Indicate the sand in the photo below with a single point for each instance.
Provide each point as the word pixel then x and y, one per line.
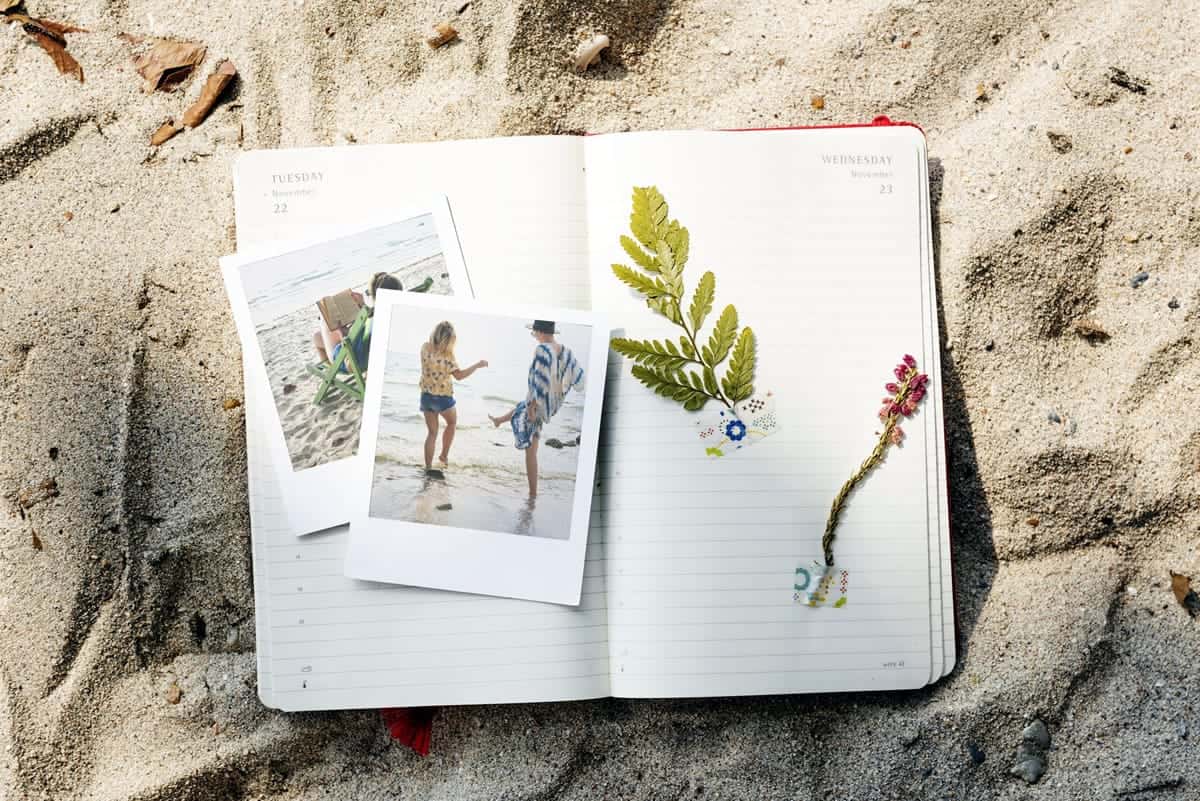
pixel 118 359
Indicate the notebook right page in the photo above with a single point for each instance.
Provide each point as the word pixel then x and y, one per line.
pixel 815 237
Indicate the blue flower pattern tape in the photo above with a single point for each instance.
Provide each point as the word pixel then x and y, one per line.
pixel 726 431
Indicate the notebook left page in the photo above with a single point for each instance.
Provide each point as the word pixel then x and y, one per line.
pixel 336 643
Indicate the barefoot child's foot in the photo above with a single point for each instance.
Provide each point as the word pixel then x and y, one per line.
pixel 496 421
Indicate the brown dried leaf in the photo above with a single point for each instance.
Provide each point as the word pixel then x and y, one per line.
pixel 59 29
pixel 37 542
pixel 222 76
pixel 51 37
pixel 168 63
pixel 65 62
pixel 1181 585
pixel 164 132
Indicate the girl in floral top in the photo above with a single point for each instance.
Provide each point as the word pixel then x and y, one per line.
pixel 439 370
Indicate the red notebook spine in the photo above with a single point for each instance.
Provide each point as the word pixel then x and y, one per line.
pixel 877 121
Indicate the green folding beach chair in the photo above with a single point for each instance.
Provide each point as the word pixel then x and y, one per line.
pixel 353 382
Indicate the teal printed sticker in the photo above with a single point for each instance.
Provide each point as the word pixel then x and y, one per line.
pixel 817 584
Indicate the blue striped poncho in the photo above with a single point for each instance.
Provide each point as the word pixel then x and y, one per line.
pixel 551 376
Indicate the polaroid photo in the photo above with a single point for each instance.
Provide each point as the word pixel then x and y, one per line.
pixel 480 439
pixel 305 315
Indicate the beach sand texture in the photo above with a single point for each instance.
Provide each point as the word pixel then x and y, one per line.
pixel 1073 459
pixel 315 434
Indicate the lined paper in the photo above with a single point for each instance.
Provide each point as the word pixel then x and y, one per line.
pixel 701 551
pixel 327 642
pixel 687 588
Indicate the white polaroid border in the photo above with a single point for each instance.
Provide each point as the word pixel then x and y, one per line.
pixel 473 560
pixel 321 497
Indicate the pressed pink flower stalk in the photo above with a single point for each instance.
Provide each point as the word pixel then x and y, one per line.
pixel 903 396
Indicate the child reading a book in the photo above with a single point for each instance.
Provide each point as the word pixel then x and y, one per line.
pixel 328 341
pixel 552 374
pixel 439 370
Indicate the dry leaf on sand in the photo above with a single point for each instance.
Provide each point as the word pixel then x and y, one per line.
pixel 222 76
pixel 1181 585
pixel 50 36
pixel 167 63
pixel 164 132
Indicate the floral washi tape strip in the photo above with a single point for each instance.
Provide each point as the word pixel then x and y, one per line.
pixel 723 432
pixel 818 584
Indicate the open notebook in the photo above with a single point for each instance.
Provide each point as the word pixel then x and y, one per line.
pixel 821 237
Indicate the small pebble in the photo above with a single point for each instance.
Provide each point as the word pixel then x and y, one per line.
pixel 288 389
pixel 1131 591
pixel 977 755
pixel 1033 522
pixel 173 694
pixel 818 102
pixel 1139 279
pixel 1053 417
pixel 1029 770
pixel 231 403
pixel 1128 150
pixel 68 216
pixel 1132 238
pixel 1037 733
pixel 1060 141
pixel 231 637
pixel 445 507
pixel 1173 304
pixel 1182 730
pixel 442 33
pixel 990 345
pixel 909 737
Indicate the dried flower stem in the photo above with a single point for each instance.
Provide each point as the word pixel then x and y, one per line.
pixel 902 403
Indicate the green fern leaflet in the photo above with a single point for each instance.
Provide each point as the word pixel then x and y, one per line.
pixel 687 373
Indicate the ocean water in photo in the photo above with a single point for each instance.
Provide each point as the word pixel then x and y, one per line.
pixel 485 485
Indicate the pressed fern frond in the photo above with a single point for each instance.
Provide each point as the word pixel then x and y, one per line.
pixel 661 246
pixel 672 385
pixel 702 301
pixel 723 336
pixel 653 353
pixel 738 382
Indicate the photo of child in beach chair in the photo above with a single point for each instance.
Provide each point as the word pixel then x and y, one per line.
pixel 344 339
pixel 313 311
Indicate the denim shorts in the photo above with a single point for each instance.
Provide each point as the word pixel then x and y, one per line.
pixel 436 403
